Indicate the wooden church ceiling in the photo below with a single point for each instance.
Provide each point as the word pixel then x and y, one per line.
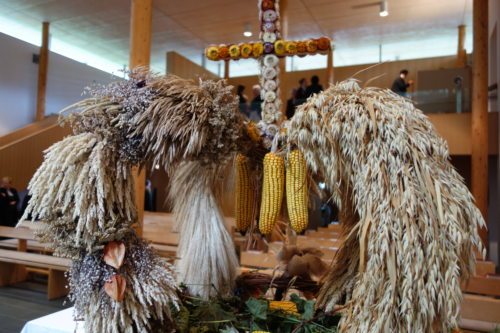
pixel 187 26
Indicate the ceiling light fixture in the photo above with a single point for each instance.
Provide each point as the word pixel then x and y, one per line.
pixel 248 30
pixel 384 9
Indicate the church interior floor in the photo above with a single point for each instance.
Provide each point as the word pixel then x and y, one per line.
pixel 24 302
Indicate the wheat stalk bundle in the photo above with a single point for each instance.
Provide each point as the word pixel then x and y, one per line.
pixel 410 223
pixel 208 262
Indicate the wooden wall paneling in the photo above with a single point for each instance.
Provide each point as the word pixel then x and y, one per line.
pixel 185 68
pixel 20 159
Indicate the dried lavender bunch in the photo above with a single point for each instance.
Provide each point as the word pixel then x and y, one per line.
pixel 413 221
pixel 150 293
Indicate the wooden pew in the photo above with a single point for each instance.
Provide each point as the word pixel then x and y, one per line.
pixel 12 270
pixel 14 263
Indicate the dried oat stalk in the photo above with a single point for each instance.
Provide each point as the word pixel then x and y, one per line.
pixel 410 223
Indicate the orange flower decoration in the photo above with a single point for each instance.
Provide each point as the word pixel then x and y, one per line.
pixel 245 50
pixel 301 47
pixel 257 49
pixel 234 51
pixel 280 47
pixel 267 4
pixel 212 52
pixel 291 47
pixel 223 51
pixel 323 43
pixel 312 46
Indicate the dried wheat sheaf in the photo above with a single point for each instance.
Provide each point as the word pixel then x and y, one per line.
pixel 84 194
pixel 410 223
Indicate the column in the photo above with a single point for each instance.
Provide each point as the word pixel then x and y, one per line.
pixel 329 66
pixel 43 61
pixel 461 52
pixel 226 69
pixel 140 53
pixel 479 158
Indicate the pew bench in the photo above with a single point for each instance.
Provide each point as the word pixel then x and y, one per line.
pixel 16 262
pixel 12 270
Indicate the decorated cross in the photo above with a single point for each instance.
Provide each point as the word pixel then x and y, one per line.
pixel 268 50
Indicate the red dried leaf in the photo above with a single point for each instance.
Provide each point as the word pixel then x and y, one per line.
pixel 114 253
pixel 115 288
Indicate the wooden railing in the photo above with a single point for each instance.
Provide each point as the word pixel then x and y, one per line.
pixel 21 152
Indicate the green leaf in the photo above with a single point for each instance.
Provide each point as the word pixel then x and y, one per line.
pixel 258 308
pixel 308 313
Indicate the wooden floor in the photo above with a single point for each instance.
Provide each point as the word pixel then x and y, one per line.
pixel 25 302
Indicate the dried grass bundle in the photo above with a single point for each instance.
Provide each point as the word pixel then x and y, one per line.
pixel 208 261
pixel 410 222
pixel 84 193
pixel 188 122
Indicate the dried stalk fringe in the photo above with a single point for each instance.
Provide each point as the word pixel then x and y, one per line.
pixel 208 261
pixel 408 216
pixel 84 193
pixel 150 293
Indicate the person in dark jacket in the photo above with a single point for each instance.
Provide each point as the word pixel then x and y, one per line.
pixel 400 86
pixel 300 95
pixel 291 103
pixel 315 87
pixel 242 100
pixel 8 203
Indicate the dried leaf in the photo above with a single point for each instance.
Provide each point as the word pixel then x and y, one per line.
pixel 114 253
pixel 115 288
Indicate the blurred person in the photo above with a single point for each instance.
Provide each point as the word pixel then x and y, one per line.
pixel 291 103
pixel 256 104
pixel 301 95
pixel 242 99
pixel 315 87
pixel 8 203
pixel 400 85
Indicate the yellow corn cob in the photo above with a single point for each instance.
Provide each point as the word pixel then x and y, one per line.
pixel 297 195
pixel 244 194
pixel 272 191
pixel 285 306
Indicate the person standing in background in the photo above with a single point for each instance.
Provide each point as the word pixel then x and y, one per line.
pixel 315 87
pixel 256 104
pixel 400 86
pixel 291 103
pixel 8 203
pixel 300 95
pixel 242 100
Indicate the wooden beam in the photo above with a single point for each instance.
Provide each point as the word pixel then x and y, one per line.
pixel 461 52
pixel 140 33
pixel 284 34
pixel 43 62
pixel 140 54
pixel 479 156
pixel 329 66
pixel 226 69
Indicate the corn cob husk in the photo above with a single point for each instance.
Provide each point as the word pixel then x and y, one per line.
pixel 297 195
pixel 285 306
pixel 244 194
pixel 272 191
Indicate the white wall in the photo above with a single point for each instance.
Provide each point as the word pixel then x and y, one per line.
pixel 18 82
